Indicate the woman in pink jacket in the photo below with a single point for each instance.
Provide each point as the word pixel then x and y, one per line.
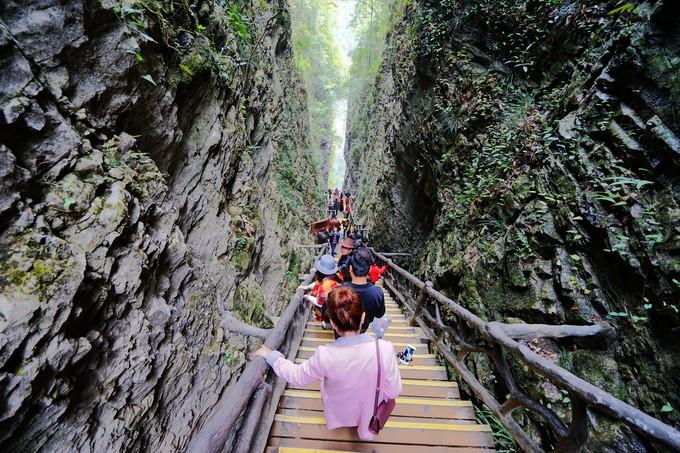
pixel 348 367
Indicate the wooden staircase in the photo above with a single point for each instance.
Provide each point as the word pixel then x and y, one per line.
pixel 429 416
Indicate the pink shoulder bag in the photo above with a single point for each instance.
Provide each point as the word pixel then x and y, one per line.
pixel 382 411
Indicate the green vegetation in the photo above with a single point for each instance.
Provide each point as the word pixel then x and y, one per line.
pixel 249 304
pixel 149 78
pixel 236 21
pixel 372 21
pixel 666 408
pixel 216 36
pixel 503 440
pixel 36 267
pixel 550 201
pixel 318 60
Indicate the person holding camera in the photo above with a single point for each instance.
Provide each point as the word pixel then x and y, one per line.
pixel 345 367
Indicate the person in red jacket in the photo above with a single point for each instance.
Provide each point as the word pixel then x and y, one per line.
pixel 376 270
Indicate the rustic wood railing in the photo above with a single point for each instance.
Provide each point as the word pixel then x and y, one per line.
pixel 465 334
pixel 241 419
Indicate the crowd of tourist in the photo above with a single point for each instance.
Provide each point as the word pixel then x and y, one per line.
pixel 345 300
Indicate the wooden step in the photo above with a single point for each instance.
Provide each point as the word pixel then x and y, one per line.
pixel 398 345
pixel 429 416
pixel 395 431
pixel 305 352
pixel 396 320
pixel 406 406
pixel 393 417
pixel 393 327
pixel 410 387
pixel 390 335
pixel 425 372
pixel 288 445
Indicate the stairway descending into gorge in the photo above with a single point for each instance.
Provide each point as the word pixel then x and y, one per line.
pixel 429 415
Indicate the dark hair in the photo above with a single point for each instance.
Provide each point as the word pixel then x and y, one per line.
pixel 344 308
pixel 361 260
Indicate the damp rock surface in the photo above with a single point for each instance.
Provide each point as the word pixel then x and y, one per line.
pixel 526 153
pixel 139 190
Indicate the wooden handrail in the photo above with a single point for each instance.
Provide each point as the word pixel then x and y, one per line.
pixel 222 421
pixel 470 334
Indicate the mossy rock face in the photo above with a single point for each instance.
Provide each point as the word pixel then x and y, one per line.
pixel 243 250
pixel 500 299
pixel 556 184
pixel 597 368
pixel 250 306
pixel 39 265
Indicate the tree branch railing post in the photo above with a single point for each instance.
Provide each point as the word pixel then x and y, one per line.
pixel 237 398
pixel 422 298
pixel 473 335
pixel 252 417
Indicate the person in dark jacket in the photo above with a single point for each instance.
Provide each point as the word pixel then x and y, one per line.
pixel 333 240
pixel 372 297
pixel 346 249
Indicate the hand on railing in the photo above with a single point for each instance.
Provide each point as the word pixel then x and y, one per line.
pixel 263 352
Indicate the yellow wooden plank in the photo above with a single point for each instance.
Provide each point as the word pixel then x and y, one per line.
pixel 403 367
pixel 311 349
pixel 424 367
pixel 419 382
pixel 428 383
pixel 308 450
pixel 317 325
pixel 391 334
pixel 332 340
pixel 400 400
pixel 367 447
pixel 390 424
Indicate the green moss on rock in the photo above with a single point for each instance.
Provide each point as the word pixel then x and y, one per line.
pixel 249 304
pixel 243 249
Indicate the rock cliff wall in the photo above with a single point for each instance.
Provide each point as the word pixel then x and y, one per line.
pixel 528 153
pixel 150 181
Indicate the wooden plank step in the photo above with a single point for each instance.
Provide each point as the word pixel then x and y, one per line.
pixel 425 372
pixel 395 431
pixel 394 329
pixel 398 345
pixel 400 332
pixel 280 445
pixel 427 408
pixel 410 387
pixel 396 320
pixel 418 359
pixel 393 417
pixel 397 328
pixel 390 335
pixel 418 346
